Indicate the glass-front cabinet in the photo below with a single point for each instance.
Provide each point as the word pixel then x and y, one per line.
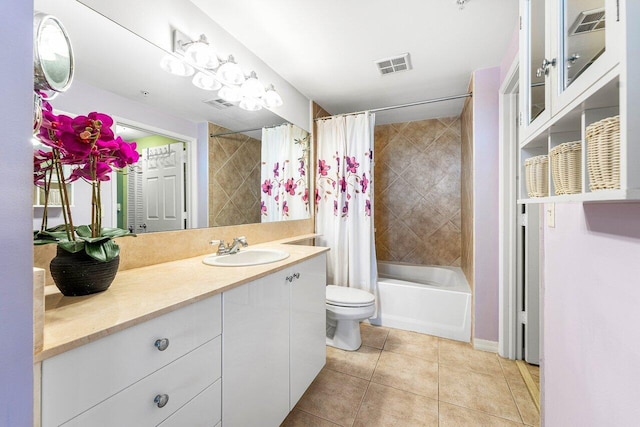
pixel 579 67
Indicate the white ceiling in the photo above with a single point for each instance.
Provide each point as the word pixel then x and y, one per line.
pixel 326 49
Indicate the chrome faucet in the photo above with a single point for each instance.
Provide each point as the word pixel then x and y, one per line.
pixel 237 242
pixel 232 248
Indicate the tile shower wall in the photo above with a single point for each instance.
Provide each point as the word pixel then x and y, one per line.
pixel 417 192
pixel 466 120
pixel 234 178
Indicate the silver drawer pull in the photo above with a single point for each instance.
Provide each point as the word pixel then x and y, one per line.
pixel 162 345
pixel 161 400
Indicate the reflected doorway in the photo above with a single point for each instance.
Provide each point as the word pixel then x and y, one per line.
pixel 152 195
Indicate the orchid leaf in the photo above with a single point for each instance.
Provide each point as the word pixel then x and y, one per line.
pixel 115 232
pixel 83 231
pixel 92 240
pixel 103 251
pixel 72 247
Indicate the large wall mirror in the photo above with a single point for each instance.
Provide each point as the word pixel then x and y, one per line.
pixel 186 136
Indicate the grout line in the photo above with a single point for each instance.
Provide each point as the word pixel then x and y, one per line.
pixel 314 415
pixel 513 396
pixel 531 385
pixel 480 411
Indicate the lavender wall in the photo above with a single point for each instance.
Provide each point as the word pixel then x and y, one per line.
pixel 591 306
pixel 511 53
pixel 485 196
pixel 16 251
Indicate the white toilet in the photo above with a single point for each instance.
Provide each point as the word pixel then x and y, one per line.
pixel 346 307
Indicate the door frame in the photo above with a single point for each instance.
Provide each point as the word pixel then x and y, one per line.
pixel 191 174
pixel 508 214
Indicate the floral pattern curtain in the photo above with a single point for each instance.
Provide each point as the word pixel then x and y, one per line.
pixel 285 192
pixel 344 199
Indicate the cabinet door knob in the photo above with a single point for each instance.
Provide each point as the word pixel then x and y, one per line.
pixel 289 279
pixel 161 400
pixel 296 275
pixel 162 344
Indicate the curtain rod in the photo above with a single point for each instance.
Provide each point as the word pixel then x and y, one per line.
pixel 411 104
pixel 211 135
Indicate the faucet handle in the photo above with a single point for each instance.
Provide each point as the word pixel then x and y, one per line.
pixel 221 247
pixel 242 240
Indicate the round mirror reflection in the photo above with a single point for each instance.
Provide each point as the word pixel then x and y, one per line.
pixel 53 56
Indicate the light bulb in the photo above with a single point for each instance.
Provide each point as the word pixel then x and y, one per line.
pixel 252 88
pixel 272 98
pixel 173 65
pixel 230 73
pixel 230 93
pixel 251 104
pixel 202 54
pixel 206 81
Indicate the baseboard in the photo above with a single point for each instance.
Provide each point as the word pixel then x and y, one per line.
pixel 485 345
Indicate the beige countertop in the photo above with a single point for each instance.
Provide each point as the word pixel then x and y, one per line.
pixel 141 294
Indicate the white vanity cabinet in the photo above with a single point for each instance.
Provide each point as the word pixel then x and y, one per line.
pixel 579 64
pixel 273 343
pixel 139 376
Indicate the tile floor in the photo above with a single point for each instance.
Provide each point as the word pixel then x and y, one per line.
pixel 404 379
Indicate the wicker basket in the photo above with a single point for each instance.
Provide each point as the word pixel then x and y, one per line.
pixel 603 153
pixel 566 169
pixel 537 176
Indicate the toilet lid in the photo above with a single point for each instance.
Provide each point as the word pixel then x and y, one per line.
pixel 348 297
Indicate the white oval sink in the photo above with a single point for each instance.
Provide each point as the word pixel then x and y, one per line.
pixel 243 258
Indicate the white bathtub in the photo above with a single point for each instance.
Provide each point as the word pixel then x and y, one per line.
pixel 434 300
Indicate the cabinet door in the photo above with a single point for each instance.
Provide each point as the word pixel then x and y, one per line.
pixel 308 324
pixel 255 355
pixel 586 45
pixel 535 78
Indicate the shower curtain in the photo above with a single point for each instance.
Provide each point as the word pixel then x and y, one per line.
pixel 344 199
pixel 285 193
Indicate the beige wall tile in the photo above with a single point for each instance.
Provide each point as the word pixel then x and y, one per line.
pixel 417 188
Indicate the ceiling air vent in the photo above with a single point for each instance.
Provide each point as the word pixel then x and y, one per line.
pixel 588 21
pixel 218 103
pixel 394 64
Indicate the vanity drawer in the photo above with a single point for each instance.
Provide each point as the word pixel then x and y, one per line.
pixel 205 410
pixel 74 381
pixel 180 381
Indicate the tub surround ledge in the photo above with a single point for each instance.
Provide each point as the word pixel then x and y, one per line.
pixel 140 294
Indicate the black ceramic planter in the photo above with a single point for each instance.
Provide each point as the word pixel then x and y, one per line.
pixel 78 274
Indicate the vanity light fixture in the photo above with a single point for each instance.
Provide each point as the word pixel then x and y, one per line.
pixel 230 72
pixel 197 52
pixel 206 81
pixel 272 98
pixel 230 93
pixel 252 87
pixel 173 65
pixel 198 57
pixel 251 104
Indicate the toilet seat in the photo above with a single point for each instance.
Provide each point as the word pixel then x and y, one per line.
pixel 343 296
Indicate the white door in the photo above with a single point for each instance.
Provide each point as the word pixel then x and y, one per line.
pixel 528 293
pixel 163 200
